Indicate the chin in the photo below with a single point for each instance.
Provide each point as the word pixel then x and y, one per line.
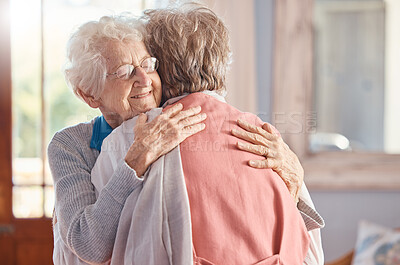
pixel 150 106
pixel 146 110
pixel 143 110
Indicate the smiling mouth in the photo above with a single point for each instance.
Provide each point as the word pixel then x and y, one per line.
pixel 142 95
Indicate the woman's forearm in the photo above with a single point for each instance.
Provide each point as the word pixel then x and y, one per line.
pixel 87 226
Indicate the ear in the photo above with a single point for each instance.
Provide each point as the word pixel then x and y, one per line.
pixel 90 100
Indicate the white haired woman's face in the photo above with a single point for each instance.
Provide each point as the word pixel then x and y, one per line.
pixel 126 98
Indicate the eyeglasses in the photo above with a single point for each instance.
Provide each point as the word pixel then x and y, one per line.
pixel 126 71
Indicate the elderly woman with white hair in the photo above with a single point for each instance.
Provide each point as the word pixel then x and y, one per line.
pixel 111 69
pixel 96 51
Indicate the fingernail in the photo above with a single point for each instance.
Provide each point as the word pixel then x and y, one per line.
pixel 234 131
pixel 203 115
pixel 240 144
pixel 252 163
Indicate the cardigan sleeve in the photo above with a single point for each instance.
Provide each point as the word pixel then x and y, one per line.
pixel 311 217
pixel 314 222
pixel 87 226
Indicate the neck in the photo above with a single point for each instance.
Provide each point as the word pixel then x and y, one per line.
pixel 113 119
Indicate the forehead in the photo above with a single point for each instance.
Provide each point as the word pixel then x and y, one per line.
pixel 117 52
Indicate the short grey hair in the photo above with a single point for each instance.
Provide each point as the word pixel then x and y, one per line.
pixel 85 68
pixel 192 44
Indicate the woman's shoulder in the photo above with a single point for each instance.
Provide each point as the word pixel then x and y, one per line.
pixel 74 135
pixel 69 151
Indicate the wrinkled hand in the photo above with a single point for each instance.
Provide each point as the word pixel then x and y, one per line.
pixel 278 156
pixel 158 137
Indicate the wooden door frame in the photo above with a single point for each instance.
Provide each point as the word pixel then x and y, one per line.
pixel 7 249
pixel 22 241
pixel 5 115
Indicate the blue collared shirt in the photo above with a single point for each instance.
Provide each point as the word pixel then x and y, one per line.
pixel 101 129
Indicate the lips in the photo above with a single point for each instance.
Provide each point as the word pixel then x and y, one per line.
pixel 143 95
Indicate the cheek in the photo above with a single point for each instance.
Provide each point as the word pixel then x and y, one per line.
pixel 157 96
pixel 116 98
pixel 157 90
pixel 113 99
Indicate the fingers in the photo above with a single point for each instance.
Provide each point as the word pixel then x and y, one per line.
pixel 265 163
pixel 187 113
pixel 174 110
pixel 255 149
pixel 255 129
pixel 268 127
pixel 271 129
pixel 186 117
pixel 193 120
pixel 250 127
pixel 193 129
pixel 141 119
pixel 254 138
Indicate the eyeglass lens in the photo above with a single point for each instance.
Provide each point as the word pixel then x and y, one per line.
pixel 149 65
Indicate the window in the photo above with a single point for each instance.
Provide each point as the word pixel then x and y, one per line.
pixel 356 72
pixel 293 99
pixel 42 103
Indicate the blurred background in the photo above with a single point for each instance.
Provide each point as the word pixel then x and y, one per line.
pixel 324 72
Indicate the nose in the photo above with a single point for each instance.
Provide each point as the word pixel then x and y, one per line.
pixel 141 78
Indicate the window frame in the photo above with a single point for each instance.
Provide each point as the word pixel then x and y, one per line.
pixel 292 96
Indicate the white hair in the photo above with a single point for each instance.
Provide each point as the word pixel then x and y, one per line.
pixel 85 68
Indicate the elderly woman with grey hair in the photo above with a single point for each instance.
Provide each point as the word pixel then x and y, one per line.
pixel 111 69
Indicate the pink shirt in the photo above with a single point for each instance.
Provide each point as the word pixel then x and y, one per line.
pixel 240 215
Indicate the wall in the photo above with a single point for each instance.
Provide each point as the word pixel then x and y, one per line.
pixel 342 210
pixel 238 16
pixel 264 34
